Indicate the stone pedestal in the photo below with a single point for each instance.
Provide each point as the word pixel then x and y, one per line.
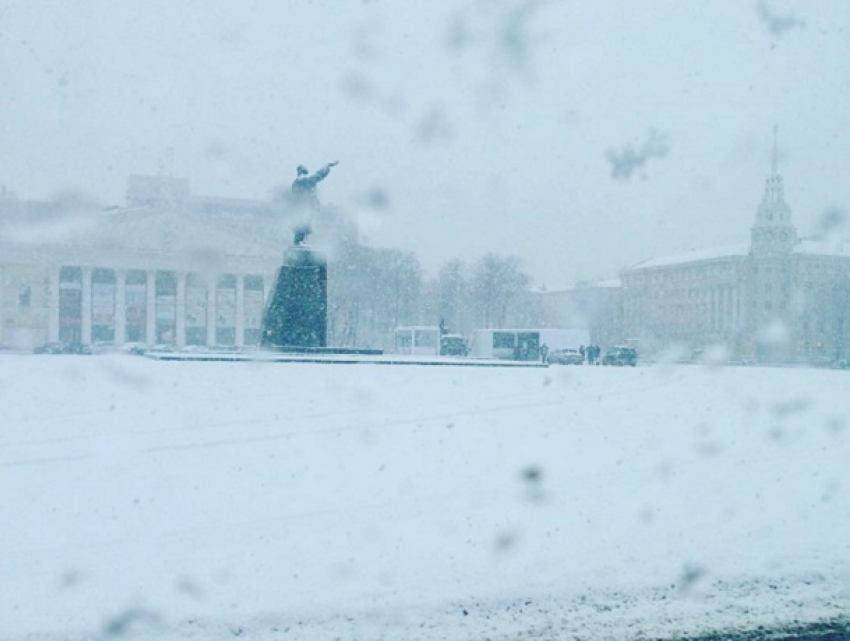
pixel 296 314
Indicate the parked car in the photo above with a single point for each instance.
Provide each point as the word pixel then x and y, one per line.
pixel 620 356
pixel 565 357
pixel 76 348
pixel 135 348
pixel 103 347
pixel 54 347
pixel 161 348
pixel 48 348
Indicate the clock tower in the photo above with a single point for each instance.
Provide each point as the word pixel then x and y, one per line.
pixel 773 233
pixel 772 242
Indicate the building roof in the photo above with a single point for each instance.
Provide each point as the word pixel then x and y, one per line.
pixel 611 283
pixel 804 246
pixel 133 237
pixel 694 256
pixel 171 229
pixel 822 248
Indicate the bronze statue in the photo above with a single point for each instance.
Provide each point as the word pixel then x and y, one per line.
pixel 296 313
pixel 305 199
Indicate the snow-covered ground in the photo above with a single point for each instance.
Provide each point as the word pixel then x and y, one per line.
pixel 294 500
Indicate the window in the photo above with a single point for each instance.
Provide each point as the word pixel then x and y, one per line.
pixel 25 297
pixel 504 340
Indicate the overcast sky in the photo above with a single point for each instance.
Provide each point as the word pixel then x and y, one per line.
pixel 580 136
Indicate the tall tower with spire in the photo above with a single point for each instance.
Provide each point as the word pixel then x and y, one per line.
pixel 773 232
pixel 772 242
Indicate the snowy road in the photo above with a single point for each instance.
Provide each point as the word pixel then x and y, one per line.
pixel 207 500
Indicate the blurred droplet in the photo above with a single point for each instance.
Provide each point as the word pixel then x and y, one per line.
pixel 357 87
pixel 791 406
pixel 775 333
pixel 836 424
pixel 70 579
pixel 532 474
pixel 434 126
pixel 457 35
pixel 647 515
pixel 777 25
pixel 133 622
pixel 716 355
pixel 688 579
pixel 189 587
pixel 506 540
pixel 630 159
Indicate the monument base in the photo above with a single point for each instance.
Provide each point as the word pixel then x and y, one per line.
pixel 330 351
pixel 296 316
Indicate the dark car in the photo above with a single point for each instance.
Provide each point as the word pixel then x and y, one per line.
pixel 135 348
pixel 76 348
pixel 49 348
pixel 620 356
pixel 53 347
pixel 453 345
pixel 565 357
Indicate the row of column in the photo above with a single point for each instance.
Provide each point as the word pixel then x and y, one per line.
pixel 725 308
pixel 724 312
pixel 120 307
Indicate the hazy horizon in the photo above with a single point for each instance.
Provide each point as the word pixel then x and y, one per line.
pixel 580 138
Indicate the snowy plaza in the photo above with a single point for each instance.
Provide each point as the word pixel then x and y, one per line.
pixel 299 500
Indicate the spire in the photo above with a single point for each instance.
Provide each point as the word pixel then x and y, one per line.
pixel 774 164
pixel 773 209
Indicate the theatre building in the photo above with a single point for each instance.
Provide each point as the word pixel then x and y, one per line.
pixel 168 268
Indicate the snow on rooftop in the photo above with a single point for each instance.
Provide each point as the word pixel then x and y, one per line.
pixel 611 283
pixel 694 256
pixel 804 246
pixel 822 247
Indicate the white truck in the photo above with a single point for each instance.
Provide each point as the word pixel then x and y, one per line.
pixel 525 344
pixel 427 340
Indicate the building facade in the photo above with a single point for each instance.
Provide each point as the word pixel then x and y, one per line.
pixel 168 269
pixel 780 298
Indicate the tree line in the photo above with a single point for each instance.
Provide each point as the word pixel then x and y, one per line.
pixel 372 291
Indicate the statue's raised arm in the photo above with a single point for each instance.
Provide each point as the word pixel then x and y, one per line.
pixel 324 171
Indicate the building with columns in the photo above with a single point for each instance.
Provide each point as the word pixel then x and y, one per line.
pixel 168 269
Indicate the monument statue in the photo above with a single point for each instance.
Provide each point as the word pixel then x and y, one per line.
pixel 296 314
pixel 305 199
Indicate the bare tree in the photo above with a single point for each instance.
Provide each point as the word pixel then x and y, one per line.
pixel 498 283
pixel 452 291
pixel 372 291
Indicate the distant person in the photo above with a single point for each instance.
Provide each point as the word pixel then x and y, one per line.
pixel 544 353
pixel 582 352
